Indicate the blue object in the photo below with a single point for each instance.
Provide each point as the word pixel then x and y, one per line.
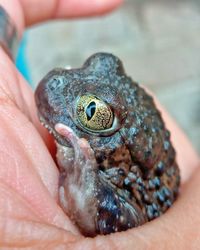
pixel 21 62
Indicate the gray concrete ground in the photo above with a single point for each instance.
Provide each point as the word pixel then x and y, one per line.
pixel 158 41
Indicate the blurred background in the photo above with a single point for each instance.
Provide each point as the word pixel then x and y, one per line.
pixel 158 41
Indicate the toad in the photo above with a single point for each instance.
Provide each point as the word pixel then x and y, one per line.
pixel 116 161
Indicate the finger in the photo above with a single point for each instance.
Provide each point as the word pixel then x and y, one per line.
pixel 64 8
pixel 27 12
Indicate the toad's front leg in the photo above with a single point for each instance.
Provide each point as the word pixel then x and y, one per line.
pixel 85 193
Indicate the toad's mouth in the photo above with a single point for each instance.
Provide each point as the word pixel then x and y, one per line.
pixel 56 135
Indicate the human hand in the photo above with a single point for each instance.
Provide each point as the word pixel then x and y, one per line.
pixel 29 214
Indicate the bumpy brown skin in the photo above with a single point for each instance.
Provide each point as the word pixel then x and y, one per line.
pixel 135 175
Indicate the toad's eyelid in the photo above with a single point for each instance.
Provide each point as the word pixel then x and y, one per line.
pixel 105 132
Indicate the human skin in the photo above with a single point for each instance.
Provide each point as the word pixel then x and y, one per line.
pixel 29 214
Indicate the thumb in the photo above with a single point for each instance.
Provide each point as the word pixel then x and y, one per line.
pixel 28 12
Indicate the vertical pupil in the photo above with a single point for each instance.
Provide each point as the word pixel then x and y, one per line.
pixel 90 110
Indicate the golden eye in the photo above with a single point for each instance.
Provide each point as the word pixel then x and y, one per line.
pixel 93 113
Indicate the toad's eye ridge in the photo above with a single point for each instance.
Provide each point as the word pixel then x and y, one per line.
pixel 93 113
